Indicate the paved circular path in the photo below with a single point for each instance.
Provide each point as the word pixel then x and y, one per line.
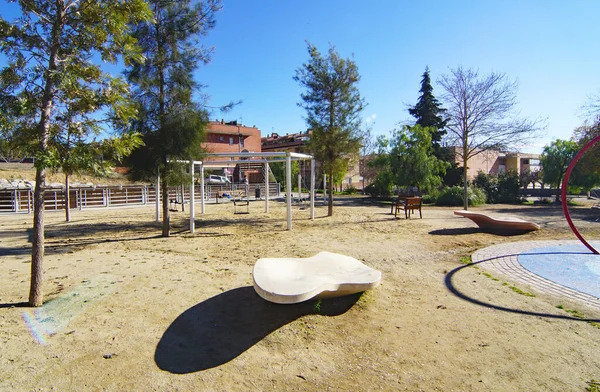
pixel 504 258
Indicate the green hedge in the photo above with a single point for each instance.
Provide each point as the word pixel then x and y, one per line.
pixel 453 196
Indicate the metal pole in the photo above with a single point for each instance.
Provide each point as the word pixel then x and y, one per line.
pixel 299 187
pixel 192 223
pixel 288 193
pixel 202 187
pixel 267 170
pixel 157 191
pixel 312 189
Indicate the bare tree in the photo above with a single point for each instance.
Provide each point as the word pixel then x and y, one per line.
pixel 367 148
pixel 482 115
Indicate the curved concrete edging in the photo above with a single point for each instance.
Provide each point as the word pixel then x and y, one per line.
pixel 503 258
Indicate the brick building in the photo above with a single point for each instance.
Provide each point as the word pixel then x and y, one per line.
pixel 231 137
pixel 228 137
pixel 495 162
pixel 295 143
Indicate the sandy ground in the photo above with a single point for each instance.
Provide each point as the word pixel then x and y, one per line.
pixel 128 310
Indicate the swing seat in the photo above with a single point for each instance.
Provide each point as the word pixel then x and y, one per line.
pixel 240 200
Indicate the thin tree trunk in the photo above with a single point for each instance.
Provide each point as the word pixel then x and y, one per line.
pixel 330 191
pixel 465 189
pixel 37 244
pixel 67 199
pixel 466 184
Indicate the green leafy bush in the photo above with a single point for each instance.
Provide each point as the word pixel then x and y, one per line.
pixel 431 197
pixel 509 187
pixel 350 190
pixel 453 196
pixel 489 184
pixel 501 188
pixel 382 186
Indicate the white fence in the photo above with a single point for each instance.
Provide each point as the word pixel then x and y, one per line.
pixel 13 200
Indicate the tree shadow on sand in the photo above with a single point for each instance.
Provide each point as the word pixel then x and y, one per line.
pixel 221 328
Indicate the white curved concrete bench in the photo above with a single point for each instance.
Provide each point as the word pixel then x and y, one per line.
pixel 293 280
pixel 498 224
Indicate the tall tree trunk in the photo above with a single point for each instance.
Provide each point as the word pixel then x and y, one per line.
pixel 67 199
pixel 36 297
pixel 465 189
pixel 37 244
pixel 330 191
pixel 166 224
pixel 466 184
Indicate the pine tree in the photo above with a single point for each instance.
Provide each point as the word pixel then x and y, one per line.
pixel 333 105
pixel 172 123
pixel 429 112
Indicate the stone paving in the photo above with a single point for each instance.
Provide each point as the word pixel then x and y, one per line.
pixel 504 259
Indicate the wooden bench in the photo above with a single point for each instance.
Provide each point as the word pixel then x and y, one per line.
pixel 409 205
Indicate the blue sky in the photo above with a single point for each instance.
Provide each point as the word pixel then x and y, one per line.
pixel 549 47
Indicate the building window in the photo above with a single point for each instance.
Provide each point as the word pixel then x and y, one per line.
pixel 230 140
pixel 221 138
pixel 525 161
pixel 241 142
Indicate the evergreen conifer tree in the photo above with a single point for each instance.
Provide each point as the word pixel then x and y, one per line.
pixel 333 105
pixel 429 112
pixel 173 124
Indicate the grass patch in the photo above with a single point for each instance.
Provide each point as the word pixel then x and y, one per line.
pixel 317 306
pixel 572 312
pixel 466 260
pixel 593 386
pixel 488 275
pixel 518 290
pixel 576 313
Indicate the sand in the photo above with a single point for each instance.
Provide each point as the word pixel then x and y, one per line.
pixel 128 310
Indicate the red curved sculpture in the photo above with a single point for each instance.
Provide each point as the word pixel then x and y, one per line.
pixel 564 193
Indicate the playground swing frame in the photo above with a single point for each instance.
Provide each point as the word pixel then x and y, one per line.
pixel 236 158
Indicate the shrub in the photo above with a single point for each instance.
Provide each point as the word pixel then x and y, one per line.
pixel 453 196
pixel 382 186
pixel 431 197
pixel 489 184
pixel 350 190
pixel 509 190
pixel 502 188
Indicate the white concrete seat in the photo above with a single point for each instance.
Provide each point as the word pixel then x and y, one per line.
pixel 293 280
pixel 498 224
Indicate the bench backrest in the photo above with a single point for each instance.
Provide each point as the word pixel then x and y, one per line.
pixel 413 202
